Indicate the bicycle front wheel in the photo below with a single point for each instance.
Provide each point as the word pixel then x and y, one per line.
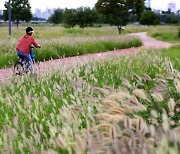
pixel 18 68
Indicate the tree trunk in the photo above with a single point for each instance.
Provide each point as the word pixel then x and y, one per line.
pixel 9 16
pixel 119 29
pixel 17 23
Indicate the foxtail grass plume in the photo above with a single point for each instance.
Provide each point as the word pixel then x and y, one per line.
pixel 141 94
pixel 177 85
pixel 154 113
pixel 171 105
pixel 157 96
pixel 165 123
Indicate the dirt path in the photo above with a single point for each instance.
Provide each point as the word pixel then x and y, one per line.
pixel 148 43
pixel 70 61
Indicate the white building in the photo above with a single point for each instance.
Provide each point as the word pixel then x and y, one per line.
pixel 43 14
pixel 172 7
pixel 157 11
pixel 1 12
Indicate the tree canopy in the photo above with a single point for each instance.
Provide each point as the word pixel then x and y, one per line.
pixel 1 17
pixel 21 10
pixel 82 16
pixel 85 17
pixel 70 18
pixel 149 18
pixel 56 17
pixel 118 11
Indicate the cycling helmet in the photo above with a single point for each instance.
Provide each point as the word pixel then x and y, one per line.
pixel 29 30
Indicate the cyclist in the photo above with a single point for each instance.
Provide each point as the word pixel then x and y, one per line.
pixel 24 45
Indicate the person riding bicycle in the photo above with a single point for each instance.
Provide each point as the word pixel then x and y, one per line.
pixel 24 45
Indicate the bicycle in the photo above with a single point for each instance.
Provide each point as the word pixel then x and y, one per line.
pixel 21 67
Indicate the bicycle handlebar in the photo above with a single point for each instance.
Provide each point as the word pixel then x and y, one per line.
pixel 32 46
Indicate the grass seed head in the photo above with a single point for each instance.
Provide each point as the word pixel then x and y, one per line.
pixel 121 96
pixel 165 123
pixel 116 118
pixel 109 103
pixel 157 97
pixel 152 130
pixel 177 85
pixel 15 122
pixel 154 114
pixel 128 123
pixel 170 68
pixel 171 106
pixel 141 94
pixel 80 142
pixel 125 82
pixel 60 141
pixel 147 77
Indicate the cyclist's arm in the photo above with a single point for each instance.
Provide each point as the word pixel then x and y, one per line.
pixel 35 44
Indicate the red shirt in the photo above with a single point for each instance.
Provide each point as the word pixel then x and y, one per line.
pixel 25 43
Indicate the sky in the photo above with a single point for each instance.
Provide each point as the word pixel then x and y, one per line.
pixel 43 4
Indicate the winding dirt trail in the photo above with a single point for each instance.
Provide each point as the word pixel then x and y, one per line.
pixel 148 43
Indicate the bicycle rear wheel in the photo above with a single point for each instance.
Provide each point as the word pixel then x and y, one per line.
pixel 18 68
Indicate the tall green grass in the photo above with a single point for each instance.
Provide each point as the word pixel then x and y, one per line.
pixel 167 36
pixel 49 31
pixel 104 105
pixel 58 50
pixel 67 47
pixel 174 54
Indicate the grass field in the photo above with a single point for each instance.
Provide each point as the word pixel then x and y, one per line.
pixel 164 33
pixel 59 42
pixel 49 31
pixel 128 102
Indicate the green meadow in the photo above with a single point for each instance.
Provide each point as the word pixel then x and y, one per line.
pixel 132 98
pixel 59 42
pixel 128 103
pixel 164 33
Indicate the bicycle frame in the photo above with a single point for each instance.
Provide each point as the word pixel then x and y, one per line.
pixel 21 67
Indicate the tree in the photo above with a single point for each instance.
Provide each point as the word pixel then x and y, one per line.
pixel 70 17
pixel 86 17
pixel 117 11
pixel 21 10
pixel 149 18
pixel 135 7
pixel 171 19
pixel 56 17
pixel 1 17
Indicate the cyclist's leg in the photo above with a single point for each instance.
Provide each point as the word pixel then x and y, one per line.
pixel 27 57
pixel 29 60
pixel 21 57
